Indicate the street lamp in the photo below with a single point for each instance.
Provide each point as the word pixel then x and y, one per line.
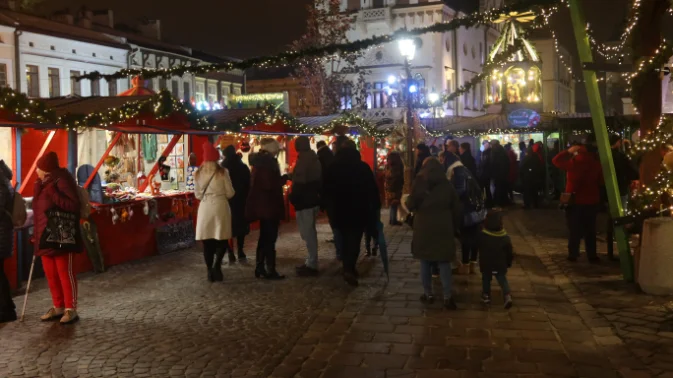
pixel 408 51
pixel 433 98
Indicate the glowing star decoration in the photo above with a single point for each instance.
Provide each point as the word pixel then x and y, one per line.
pixel 522 73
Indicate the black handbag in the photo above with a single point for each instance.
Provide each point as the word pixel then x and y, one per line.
pixel 62 232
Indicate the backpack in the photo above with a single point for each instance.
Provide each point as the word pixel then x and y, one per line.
pixel 18 211
pixel 472 194
pixel 84 203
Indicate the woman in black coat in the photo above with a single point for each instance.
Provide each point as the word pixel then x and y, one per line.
pixel 240 179
pixel 7 309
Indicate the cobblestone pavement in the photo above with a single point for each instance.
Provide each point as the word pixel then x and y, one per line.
pixel 641 322
pixel 160 318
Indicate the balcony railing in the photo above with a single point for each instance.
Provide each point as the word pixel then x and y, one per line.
pixel 373 15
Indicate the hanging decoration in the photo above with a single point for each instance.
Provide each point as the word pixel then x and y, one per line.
pixel 291 57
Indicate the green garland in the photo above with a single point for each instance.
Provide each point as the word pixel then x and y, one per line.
pixel 160 106
pixel 290 57
pixel 646 68
pixel 498 61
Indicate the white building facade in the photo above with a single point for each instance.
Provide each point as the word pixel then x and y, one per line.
pixel 443 61
pixel 558 84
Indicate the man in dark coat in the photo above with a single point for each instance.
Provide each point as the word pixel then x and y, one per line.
pixel 486 172
pixel 240 180
pixel 500 173
pixel 266 204
pixel 352 195
pixel 305 197
pixel 626 172
pixel 467 159
pixel 7 308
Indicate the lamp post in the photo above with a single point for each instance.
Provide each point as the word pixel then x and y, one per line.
pixel 433 98
pixel 408 51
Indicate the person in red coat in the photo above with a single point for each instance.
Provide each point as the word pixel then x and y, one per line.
pixel 584 178
pixel 266 204
pixel 56 187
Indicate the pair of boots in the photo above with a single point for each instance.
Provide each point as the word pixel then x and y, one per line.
pixel 215 271
pixel 270 272
pixel 242 258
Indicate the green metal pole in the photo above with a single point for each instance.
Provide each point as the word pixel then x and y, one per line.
pixel 602 138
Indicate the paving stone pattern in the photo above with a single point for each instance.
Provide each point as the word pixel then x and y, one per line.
pixel 160 318
pixel 618 312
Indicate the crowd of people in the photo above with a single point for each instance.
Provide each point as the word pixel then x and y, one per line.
pixel 455 199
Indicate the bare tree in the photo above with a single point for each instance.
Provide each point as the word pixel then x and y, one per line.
pixel 325 79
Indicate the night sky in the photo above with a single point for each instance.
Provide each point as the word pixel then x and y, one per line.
pixel 245 28
pixel 239 28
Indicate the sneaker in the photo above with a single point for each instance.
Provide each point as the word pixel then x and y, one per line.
pixel 486 299
pixel 7 317
pixel 450 304
pixel 306 271
pixel 508 301
pixel 52 314
pixel 242 258
pixel 232 259
pixel 70 316
pixel 351 279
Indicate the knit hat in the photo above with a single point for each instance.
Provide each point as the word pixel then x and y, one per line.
pixel 270 145
pixel 302 144
pixel 210 153
pixel 49 162
pixel 493 221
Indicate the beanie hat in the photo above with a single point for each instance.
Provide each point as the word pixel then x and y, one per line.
pixel 270 145
pixel 49 162
pixel 210 153
pixel 302 144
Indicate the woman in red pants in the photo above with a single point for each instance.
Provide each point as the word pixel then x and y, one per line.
pixel 56 187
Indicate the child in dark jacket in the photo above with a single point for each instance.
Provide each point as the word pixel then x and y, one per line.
pixel 495 256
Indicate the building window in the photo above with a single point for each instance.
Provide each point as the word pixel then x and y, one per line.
pixel 33 81
pixel 54 82
pixel 200 94
pixel 346 96
pixel 95 87
pixel 112 87
pixel 237 91
pixel 3 75
pixel 212 94
pixel 75 86
pixel 175 88
pixel 377 97
pixel 186 93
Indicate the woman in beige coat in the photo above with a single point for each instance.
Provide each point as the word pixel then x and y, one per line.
pixel 213 223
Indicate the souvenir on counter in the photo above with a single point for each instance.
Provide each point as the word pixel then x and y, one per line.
pixel 191 170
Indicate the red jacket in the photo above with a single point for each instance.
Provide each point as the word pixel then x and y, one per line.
pixel 265 200
pixel 584 175
pixel 58 189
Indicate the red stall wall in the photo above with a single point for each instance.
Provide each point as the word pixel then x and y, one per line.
pixel 31 144
pixel 368 153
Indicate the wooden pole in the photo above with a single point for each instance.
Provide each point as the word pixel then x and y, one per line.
pixel 155 168
pixel 646 43
pixel 102 159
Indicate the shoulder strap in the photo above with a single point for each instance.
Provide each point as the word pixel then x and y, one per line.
pixel 205 188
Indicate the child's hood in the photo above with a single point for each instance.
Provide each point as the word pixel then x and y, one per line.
pixel 493 222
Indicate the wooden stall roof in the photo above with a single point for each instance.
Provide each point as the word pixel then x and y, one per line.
pixel 86 105
pixel 549 121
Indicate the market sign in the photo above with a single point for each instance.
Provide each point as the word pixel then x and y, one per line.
pixel 259 101
pixel 523 118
